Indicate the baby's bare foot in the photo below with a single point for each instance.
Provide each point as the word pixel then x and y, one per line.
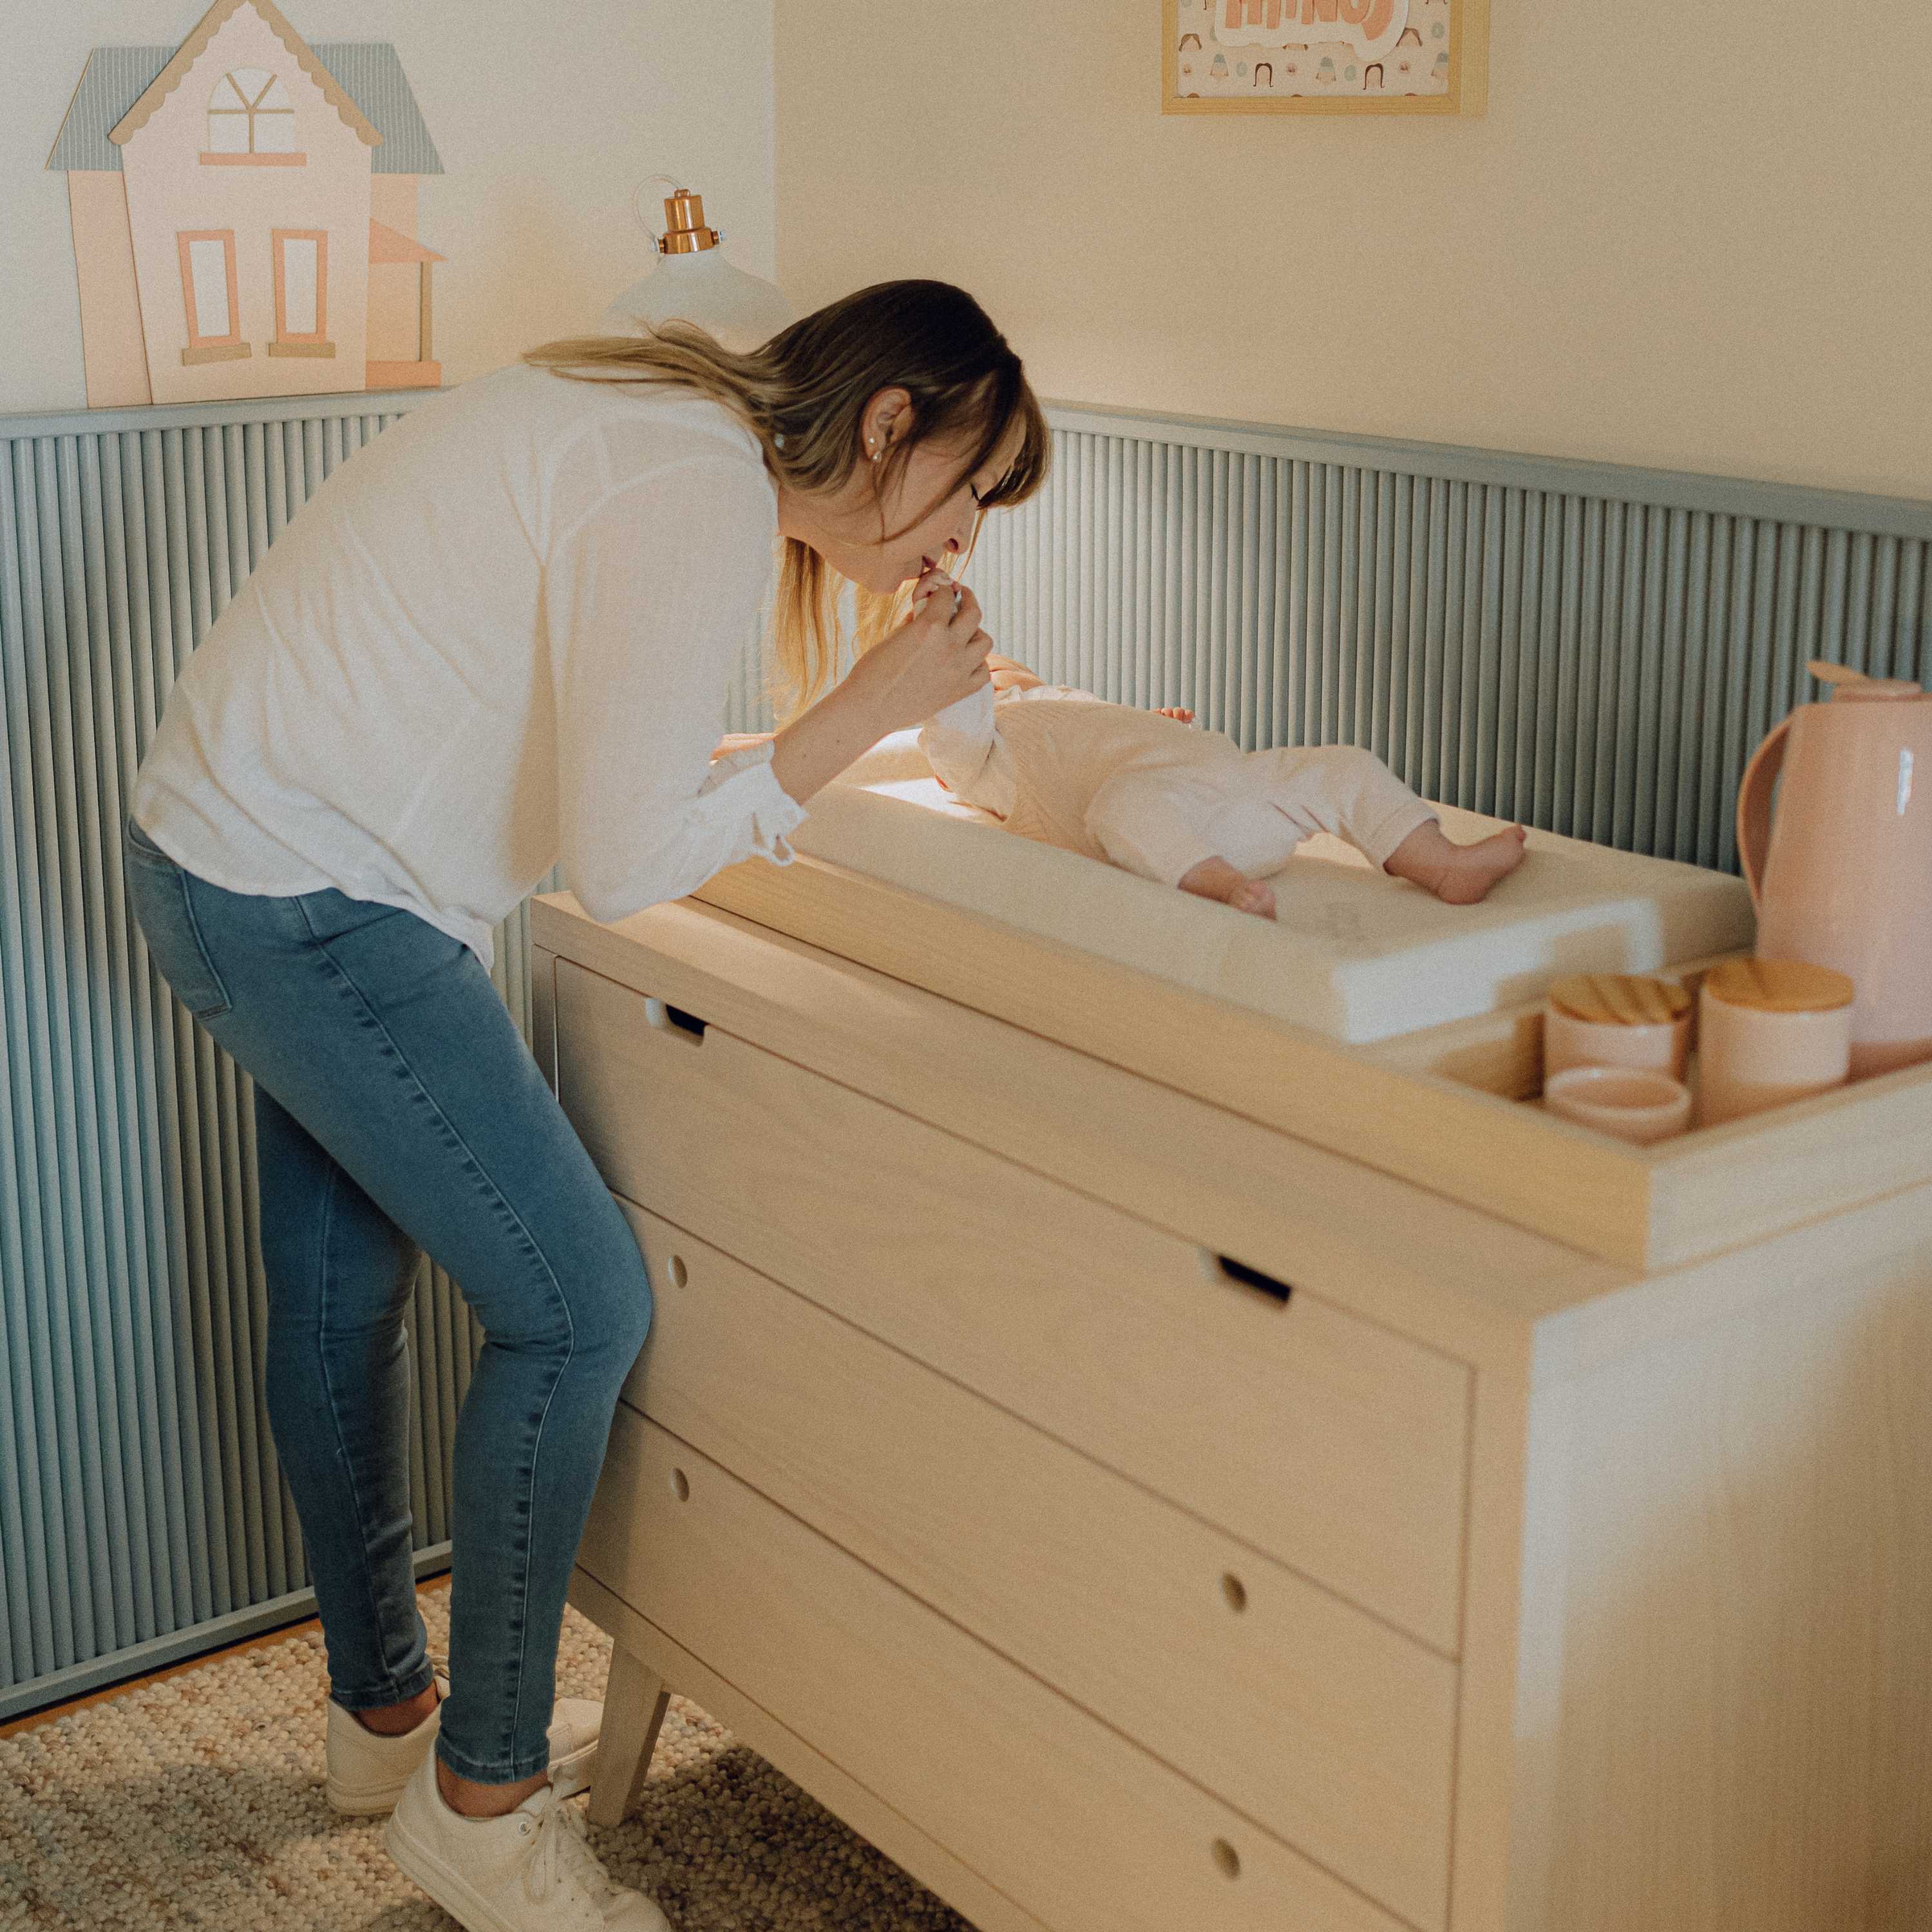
pixel 1474 869
pixel 1457 874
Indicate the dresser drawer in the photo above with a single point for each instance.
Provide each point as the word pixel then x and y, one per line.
pixel 1314 1719
pixel 1068 1819
pixel 1335 1446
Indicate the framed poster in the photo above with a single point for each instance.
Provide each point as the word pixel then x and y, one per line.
pixel 1325 56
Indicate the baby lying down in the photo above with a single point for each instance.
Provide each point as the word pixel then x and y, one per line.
pixel 1186 807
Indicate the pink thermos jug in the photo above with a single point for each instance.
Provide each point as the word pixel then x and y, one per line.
pixel 1843 875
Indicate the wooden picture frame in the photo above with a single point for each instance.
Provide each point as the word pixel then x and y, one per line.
pixel 1464 41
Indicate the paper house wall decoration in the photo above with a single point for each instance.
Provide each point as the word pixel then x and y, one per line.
pixel 245 215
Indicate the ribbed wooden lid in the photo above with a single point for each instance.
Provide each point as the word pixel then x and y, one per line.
pixel 1620 999
pixel 1779 986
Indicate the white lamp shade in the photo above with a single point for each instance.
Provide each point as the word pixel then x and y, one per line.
pixel 742 311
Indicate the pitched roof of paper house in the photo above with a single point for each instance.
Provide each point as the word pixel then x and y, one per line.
pixel 191 49
pixel 368 73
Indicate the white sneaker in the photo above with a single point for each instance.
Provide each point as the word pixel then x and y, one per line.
pixel 367 1773
pixel 528 1871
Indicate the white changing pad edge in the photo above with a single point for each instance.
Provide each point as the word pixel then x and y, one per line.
pixel 1613 911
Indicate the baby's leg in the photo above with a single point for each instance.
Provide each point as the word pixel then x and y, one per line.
pixel 1350 792
pixel 1156 822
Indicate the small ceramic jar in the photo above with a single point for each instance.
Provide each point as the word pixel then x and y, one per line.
pixel 1634 1103
pixel 1616 1019
pixel 1770 1031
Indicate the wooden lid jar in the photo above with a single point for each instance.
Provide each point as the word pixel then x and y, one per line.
pixel 1616 1019
pixel 1770 1031
pixel 1779 986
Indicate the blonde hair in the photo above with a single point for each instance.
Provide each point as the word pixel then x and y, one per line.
pixel 803 395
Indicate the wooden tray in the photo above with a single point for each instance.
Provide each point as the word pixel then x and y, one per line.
pixel 1439 1108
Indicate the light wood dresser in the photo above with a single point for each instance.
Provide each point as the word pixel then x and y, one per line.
pixel 1149 1469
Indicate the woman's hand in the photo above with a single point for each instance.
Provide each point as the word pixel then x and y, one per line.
pixel 934 658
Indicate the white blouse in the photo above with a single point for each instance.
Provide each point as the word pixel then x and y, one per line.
pixel 501 636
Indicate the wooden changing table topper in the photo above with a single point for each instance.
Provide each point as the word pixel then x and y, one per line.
pixel 1324 57
pixel 245 215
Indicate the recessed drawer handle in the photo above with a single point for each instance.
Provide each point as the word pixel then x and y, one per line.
pixel 668 1018
pixel 1225 1267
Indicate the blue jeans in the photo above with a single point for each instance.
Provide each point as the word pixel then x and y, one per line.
pixel 397 1110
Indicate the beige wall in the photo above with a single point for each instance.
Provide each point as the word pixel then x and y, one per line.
pixel 546 118
pixel 1666 244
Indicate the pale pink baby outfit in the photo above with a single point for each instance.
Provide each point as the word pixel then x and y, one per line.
pixel 1155 796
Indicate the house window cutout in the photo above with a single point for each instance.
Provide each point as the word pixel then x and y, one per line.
pixel 251 121
pixel 208 289
pixel 301 292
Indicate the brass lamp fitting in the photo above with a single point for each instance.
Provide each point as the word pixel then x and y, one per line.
pixel 684 232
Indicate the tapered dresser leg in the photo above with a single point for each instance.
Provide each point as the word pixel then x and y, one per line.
pixel 634 1702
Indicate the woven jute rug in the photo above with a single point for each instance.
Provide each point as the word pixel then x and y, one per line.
pixel 197 1802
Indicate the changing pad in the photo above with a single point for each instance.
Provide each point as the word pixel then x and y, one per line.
pixel 1353 953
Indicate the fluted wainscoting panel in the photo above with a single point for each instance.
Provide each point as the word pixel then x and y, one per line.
pixel 140 1497
pixel 1593 650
